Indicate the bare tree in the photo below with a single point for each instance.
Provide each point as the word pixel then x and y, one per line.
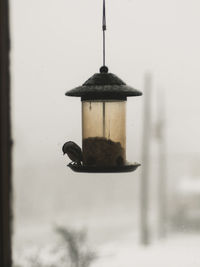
pixel 79 253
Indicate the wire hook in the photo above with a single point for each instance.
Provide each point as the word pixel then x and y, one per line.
pixel 104 29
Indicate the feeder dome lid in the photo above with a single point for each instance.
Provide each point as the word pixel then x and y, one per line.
pixel 103 85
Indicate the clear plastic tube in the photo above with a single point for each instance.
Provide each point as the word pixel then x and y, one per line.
pixel 104 132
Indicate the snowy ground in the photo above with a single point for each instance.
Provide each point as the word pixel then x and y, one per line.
pixel 179 250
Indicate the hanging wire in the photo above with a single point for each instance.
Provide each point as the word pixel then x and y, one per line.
pixel 104 29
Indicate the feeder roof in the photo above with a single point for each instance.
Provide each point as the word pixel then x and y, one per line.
pixel 103 85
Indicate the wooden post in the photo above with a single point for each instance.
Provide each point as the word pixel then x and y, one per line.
pixel 5 140
pixel 144 186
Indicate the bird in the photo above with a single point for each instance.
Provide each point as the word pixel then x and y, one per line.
pixel 73 151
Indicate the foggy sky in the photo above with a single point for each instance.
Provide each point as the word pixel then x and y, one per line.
pixel 57 45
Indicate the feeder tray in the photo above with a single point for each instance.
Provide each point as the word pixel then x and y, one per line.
pixel 107 169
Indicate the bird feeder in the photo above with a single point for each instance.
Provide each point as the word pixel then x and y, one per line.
pixel 104 97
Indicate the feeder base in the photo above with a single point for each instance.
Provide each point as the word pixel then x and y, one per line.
pixel 114 169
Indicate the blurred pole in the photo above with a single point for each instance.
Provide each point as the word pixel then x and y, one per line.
pixel 144 186
pixel 162 182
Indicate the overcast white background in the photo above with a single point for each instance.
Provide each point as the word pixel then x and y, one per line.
pixel 57 45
